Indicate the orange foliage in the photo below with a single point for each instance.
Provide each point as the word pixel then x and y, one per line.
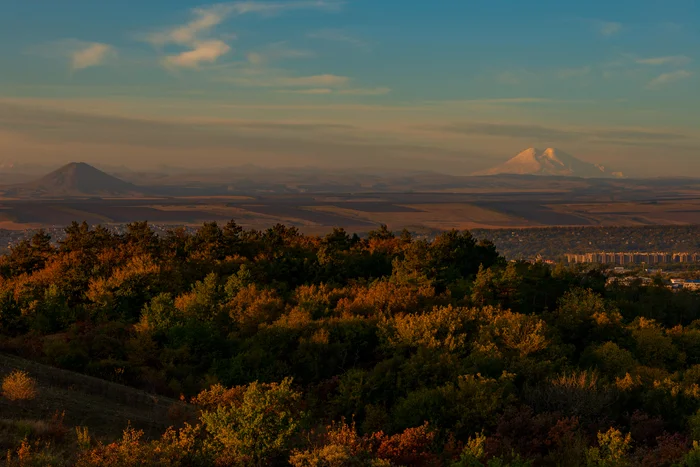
pixel 217 396
pixel 386 298
pixel 253 306
pixel 19 386
pixel 412 447
pixel 131 450
pixel 387 246
pixel 342 445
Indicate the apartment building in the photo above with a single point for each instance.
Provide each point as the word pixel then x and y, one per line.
pixel 624 258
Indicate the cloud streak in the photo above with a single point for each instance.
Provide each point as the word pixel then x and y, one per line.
pixel 273 8
pixel 336 35
pixel 195 34
pixel 92 55
pixel 286 83
pixel 316 80
pixel 512 100
pixel 203 52
pixel 365 92
pixel 79 54
pixel 668 78
pixel 206 18
pixel 307 134
pixel 313 92
pixel 673 60
pixel 190 35
pixel 553 134
pixel 143 141
pixel 279 79
pixel 343 92
pixel 608 28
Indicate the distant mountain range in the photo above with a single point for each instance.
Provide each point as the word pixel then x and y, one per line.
pixel 523 172
pixel 76 179
pixel 550 161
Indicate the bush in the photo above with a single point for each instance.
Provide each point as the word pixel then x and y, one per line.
pixel 258 429
pixel 19 386
pixel 612 451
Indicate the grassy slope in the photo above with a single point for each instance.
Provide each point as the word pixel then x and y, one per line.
pixel 105 407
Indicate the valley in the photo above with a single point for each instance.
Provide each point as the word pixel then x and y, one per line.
pixel 319 213
pixel 315 202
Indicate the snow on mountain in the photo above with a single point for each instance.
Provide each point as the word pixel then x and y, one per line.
pixel 550 161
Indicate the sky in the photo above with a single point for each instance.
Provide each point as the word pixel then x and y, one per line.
pixel 444 85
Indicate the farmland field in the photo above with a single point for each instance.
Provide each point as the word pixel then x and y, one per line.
pixel 361 212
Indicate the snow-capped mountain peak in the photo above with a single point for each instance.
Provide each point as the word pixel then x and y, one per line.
pixel 550 161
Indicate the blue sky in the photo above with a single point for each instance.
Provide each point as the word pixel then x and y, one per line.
pixel 447 85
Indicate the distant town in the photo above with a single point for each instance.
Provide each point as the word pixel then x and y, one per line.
pixel 633 258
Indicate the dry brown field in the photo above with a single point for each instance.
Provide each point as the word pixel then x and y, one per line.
pixel 361 212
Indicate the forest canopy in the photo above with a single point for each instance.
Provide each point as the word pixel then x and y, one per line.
pixel 287 349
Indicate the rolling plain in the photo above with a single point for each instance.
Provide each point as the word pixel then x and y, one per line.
pixel 315 202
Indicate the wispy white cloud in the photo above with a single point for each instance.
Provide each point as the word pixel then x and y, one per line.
pixel 272 8
pixel 256 73
pixel 314 91
pixel 94 54
pixel 315 80
pixel 608 28
pixel 275 78
pixel 365 91
pixel 204 46
pixel 667 78
pixel 287 83
pixel 193 35
pixel 79 54
pixel 203 52
pixel 196 34
pixel 336 35
pixel 504 101
pixel 344 92
pixel 206 18
pixel 673 60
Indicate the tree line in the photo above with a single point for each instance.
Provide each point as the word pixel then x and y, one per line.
pixel 335 350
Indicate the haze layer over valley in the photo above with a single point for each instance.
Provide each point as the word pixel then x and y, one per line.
pixel 316 200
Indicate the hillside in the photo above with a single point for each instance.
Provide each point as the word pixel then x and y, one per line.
pixel 106 407
pixel 76 179
pixel 551 161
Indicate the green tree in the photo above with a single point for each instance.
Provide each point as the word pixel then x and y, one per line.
pixel 612 450
pixel 260 429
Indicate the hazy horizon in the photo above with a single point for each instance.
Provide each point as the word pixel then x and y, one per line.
pixel 454 88
pixel 33 172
